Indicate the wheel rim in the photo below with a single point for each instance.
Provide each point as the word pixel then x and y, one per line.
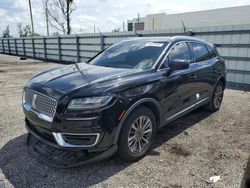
pixel 140 134
pixel 218 95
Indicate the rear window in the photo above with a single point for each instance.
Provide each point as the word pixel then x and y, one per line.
pixel 211 52
pixel 200 52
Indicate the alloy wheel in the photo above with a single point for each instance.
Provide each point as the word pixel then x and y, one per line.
pixel 140 134
pixel 218 95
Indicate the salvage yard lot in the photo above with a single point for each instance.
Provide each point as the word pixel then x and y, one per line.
pixel 185 153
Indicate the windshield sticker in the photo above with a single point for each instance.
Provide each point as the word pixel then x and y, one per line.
pixel 154 44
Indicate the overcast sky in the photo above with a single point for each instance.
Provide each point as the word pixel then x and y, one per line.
pixel 105 14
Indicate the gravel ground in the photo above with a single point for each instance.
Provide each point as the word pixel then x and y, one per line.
pixel 185 153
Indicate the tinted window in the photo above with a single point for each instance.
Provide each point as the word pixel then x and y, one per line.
pixel 130 54
pixel 200 52
pixel 130 26
pixel 211 52
pixel 180 51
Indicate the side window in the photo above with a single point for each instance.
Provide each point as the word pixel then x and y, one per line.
pixel 180 51
pixel 200 52
pixel 211 52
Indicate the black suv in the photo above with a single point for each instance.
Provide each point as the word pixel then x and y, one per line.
pixel 116 101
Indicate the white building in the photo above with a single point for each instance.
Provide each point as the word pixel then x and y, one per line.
pixel 222 16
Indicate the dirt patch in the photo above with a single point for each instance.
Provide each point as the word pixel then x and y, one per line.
pixel 179 150
pixel 174 186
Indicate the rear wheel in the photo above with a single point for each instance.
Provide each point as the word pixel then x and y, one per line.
pixel 137 135
pixel 217 97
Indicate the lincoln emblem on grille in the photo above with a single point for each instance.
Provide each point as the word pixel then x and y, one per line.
pixel 34 100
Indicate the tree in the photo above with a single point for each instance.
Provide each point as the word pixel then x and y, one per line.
pixel 56 34
pixel 59 14
pixel 26 31
pixel 116 30
pixel 19 29
pixel 36 35
pixel 6 32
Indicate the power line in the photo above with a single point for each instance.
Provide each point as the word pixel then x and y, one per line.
pixel 15 10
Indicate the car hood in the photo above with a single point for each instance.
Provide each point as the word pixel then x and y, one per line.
pixel 72 77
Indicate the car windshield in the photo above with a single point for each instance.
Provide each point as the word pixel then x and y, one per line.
pixel 130 54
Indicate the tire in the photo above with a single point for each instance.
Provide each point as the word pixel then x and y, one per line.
pixel 217 98
pixel 130 140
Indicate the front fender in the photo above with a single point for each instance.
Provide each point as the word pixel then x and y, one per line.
pixel 151 103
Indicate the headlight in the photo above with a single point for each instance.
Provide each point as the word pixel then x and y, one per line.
pixel 89 103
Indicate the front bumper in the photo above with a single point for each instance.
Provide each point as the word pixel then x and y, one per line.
pixel 61 158
pixel 69 144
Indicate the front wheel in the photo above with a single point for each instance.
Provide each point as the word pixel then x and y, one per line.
pixel 217 97
pixel 137 135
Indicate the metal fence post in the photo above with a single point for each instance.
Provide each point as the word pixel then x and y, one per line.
pixel 8 42
pixel 59 49
pixel 77 49
pixel 102 42
pixel 33 47
pixel 24 51
pixel 3 46
pixel 16 52
pixel 44 48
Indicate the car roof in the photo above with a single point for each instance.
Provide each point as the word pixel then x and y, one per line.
pixel 188 38
pixel 168 39
pixel 151 39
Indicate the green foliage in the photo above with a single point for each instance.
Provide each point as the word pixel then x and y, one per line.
pixel 36 35
pixel 6 32
pixel 19 30
pixel 116 30
pixel 25 31
pixel 57 33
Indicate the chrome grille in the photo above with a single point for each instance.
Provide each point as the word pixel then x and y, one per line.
pixel 40 103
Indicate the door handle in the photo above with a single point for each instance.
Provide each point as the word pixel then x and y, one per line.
pixel 193 76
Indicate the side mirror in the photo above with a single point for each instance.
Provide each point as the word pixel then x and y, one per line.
pixel 179 64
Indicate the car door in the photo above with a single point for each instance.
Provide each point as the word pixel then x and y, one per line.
pixel 202 67
pixel 178 85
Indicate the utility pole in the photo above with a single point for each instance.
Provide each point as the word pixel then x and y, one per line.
pixel 138 22
pixel 153 23
pixel 46 13
pixel 94 28
pixel 123 26
pixel 31 18
pixel 184 27
pixel 68 18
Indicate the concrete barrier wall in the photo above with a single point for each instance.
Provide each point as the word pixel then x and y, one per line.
pixel 233 43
